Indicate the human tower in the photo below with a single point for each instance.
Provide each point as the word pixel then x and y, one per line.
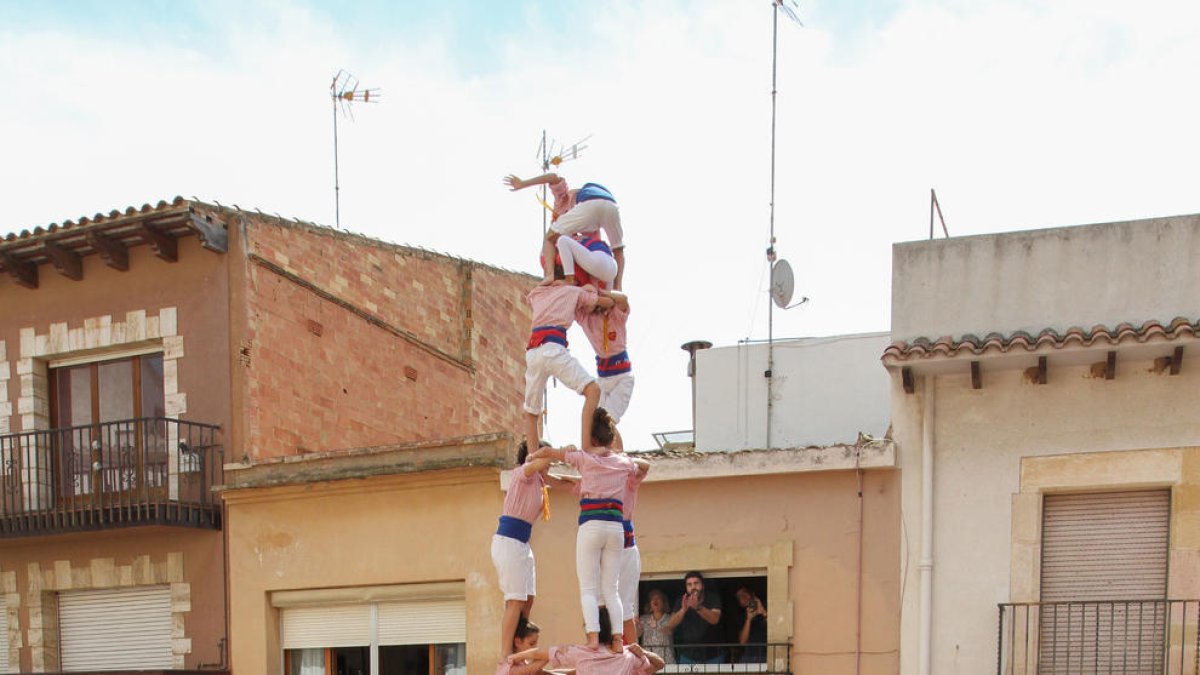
pixel 583 263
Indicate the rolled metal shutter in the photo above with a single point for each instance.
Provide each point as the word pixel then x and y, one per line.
pixel 326 626
pixel 1105 546
pixel 1104 582
pixel 4 667
pixel 423 622
pixel 128 628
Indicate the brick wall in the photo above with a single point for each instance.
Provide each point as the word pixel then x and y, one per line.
pixel 351 342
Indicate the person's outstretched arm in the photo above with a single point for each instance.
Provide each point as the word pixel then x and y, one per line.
pixel 514 183
pixel 531 654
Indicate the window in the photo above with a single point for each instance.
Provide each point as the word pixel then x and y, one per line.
pixel 725 586
pixel 107 391
pixel 111 435
pixel 412 637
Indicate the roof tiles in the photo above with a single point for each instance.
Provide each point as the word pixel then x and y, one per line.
pixel 971 345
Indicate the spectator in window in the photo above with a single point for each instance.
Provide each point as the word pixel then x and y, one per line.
pixel 653 630
pixel 753 633
pixel 695 622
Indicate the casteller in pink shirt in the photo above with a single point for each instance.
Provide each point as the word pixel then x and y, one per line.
pixel 524 497
pixel 556 305
pixel 599 661
pixel 595 326
pixel 601 477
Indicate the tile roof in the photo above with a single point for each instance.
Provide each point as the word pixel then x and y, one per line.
pixel 130 211
pixel 1048 339
pixel 175 218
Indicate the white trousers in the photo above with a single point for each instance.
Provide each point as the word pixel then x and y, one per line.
pixel 598 548
pixel 515 568
pixel 596 263
pixel 627 585
pixel 615 392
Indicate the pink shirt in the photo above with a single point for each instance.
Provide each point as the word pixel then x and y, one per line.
pixel 593 325
pixel 524 498
pixel 631 492
pixel 601 477
pixel 598 661
pixel 556 305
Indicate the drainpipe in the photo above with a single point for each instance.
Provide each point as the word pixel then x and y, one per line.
pixel 691 348
pixel 926 562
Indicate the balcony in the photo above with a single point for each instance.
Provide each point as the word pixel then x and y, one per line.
pixel 771 658
pixel 1147 637
pixel 147 471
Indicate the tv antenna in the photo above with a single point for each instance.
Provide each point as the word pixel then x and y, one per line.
pixel 552 154
pixel 344 91
pixel 782 280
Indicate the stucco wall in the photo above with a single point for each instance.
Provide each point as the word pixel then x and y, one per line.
pixel 1056 278
pixel 436 526
pixel 980 437
pixel 826 390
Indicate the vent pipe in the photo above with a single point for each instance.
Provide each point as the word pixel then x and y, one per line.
pixel 691 348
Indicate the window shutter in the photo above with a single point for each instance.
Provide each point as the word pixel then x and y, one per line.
pixel 4 644
pixel 1099 549
pixel 419 623
pixel 326 626
pixel 1105 546
pixel 116 629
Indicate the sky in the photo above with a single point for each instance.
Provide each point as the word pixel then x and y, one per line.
pixel 1021 114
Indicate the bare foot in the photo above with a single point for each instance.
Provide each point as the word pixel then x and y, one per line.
pixel 546 282
pixel 569 280
pixel 593 641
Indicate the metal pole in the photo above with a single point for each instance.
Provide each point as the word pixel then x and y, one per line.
pixel 771 248
pixel 337 202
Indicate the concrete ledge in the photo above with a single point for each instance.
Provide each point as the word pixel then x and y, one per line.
pixel 687 464
pixel 488 450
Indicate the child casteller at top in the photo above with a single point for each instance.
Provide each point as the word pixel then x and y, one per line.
pixel 580 215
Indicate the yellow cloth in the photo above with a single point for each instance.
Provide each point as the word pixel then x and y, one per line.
pixel 545 502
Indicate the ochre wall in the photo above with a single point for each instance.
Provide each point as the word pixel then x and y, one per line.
pixel 437 527
pixel 321 368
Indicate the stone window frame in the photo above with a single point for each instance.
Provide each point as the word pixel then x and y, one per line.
pixel 98 574
pixel 1101 471
pixel 98 338
pixel 777 559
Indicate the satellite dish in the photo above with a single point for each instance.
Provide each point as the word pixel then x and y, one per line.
pixel 783 285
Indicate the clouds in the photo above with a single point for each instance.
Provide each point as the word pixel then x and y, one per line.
pixel 1019 113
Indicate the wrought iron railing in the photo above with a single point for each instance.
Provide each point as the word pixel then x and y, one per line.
pixel 1143 637
pixel 143 471
pixel 771 658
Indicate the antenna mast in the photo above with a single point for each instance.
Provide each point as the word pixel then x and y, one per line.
pixel 776 7
pixel 344 91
